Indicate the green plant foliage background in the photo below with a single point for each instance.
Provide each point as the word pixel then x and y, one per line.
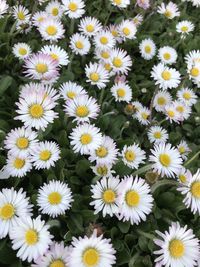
pixel 134 244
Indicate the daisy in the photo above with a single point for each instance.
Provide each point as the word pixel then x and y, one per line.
pixel 18 166
pixel 165 77
pixel 36 111
pixel 45 154
pixel 3 8
pixel 106 153
pixel 169 10
pixel 51 29
pixel 147 49
pixel 166 160
pixel 183 149
pixel 105 194
pixel 121 92
pixel 92 251
pixel 172 113
pixel 20 140
pixel 120 3
pixel 90 26
pixel 79 44
pixel 127 29
pixel 195 3
pixel 192 57
pixel 21 50
pixel 85 138
pixel 184 176
pixel 183 110
pixel 157 134
pixel 135 199
pixel 187 96
pixel 120 61
pixel 30 237
pixel 41 67
pixel 167 55
pixel 103 170
pixel 70 90
pixel 54 198
pixel 104 40
pixel 82 108
pixel 74 8
pixel 133 156
pixel 103 55
pixel 21 14
pixel 97 75
pixel 177 247
pixel 13 205
pixel 184 27
pixel 138 19
pixel 143 115
pixel 39 17
pixel 56 256
pixel 194 72
pixel 161 99
pixel 54 9
pixel 113 28
pixel 57 53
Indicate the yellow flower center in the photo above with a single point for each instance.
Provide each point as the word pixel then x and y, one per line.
pixel 181 149
pixel 176 248
pixel 51 30
pixel 107 66
pixel 121 92
pixel 102 152
pixel 7 211
pixel 130 155
pixel 71 94
pixel 86 139
pixel 91 257
pixel 36 111
pixel 22 142
pixel 184 28
pixel 57 263
pixel 117 62
pixel 195 189
pixel 126 31
pixel 82 111
pixel 73 6
pixel 21 15
pixel 117 2
pixel 182 178
pixel 22 51
pixel 165 160
pixel 104 40
pixel 31 237
pixel 180 109
pixel 114 33
pixel 132 198
pixel 166 56
pixel 19 163
pixel 105 54
pixel 54 198
pixel 94 76
pixel 171 113
pixel 168 14
pixel 90 28
pixel 109 196
pixel 166 75
pixel 79 45
pixel 45 155
pixel 102 170
pixel 187 95
pixel 157 135
pixel 54 56
pixel 41 68
pixel 144 115
pixel 194 72
pixel 161 101
pixel 147 49
pixel 55 11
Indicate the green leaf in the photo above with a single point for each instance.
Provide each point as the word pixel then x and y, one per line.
pixel 5 83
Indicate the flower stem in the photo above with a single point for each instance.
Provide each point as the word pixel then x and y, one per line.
pixel 190 160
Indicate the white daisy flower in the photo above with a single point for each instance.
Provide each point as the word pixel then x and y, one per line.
pixel 165 77
pixel 21 50
pixel 136 201
pixel 39 17
pixel 30 237
pixel 169 10
pixel 13 205
pixel 85 138
pixel 183 110
pixel 166 160
pixel 70 90
pixel 54 9
pixel 172 113
pixel 161 99
pixel 103 55
pixel 121 92
pixel 143 115
pixel 79 44
pixel 192 57
pixel 133 156
pixel 195 3
pixel 113 28
pixel 187 96
pixel 51 29
pixel 90 26
pixel 45 154
pixel 167 55
pixel 103 170
pixel 21 14
pixel 54 198
pixel 3 8
pixel 57 53
pixel 106 153
pixel 120 61
pixel 120 3
pixel 97 75
pixel 92 251
pixel 82 108
pixel 184 27
pixel 18 166
pixel 104 40
pixel 138 19
pixel 105 195
pixel 184 176
pixel 137 105
pixel 19 141
pixel 194 72
pixel 183 149
pixel 127 29
pixel 74 8
pixel 157 134
pixel 147 49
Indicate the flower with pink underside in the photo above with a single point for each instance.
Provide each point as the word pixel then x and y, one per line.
pixel 143 3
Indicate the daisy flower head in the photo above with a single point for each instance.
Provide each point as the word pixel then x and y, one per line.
pixel 103 170
pixel 21 50
pixel 121 92
pixel 113 28
pixel 3 8
pixel 18 166
pixel 51 29
pixel 166 160
pixel 169 10
pixel 135 199
pixel 79 44
pixel 177 247
pixel 97 75
pixel 92 251
pixel 172 113
pixel 54 9
pixel 90 26
pixel 138 19
pixel 85 138
pixel 187 96
pixel 184 176
pixel 104 40
pixel 103 55
pixel 184 27
pixel 39 17
pixel 147 49
pixel 74 8
pixel 41 67
pixel 183 110
pixel 143 115
pixel 70 90
pixel 161 99
pixel 106 153
pixel 30 237
pixel 105 194
pixel 183 149
pixel 120 61
pixel 192 57
pixel 21 14
pixel 57 53
pixel 195 3
pixel 157 134
pixel 167 55
pixel 20 141
pixel 133 156
pixel 82 108
pixel 145 4
pixel 45 154
pixel 165 77
pixel 127 29
pixel 194 73
pixel 120 3
pixel 13 205
pixel 54 198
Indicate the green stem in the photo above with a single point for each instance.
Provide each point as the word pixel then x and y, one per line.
pixel 190 160
pixel 162 183
pixel 143 169
pixel 101 96
pixel 147 235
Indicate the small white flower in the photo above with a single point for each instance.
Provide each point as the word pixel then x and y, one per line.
pixel 3 8
pixel 97 75
pixel 183 149
pixel 21 50
pixel 74 8
pixel 167 55
pixel 80 44
pixel 54 9
pixel 184 27
pixel 57 53
pixel 104 40
pixel 122 92
pixel 157 134
pixel 51 29
pixel 21 14
pixel 133 156
pixel 18 166
pixel 161 99
pixel 70 90
pixel 90 26
pixel 127 29
pixel 187 96
pixel 169 10
pixel 120 61
pixel 147 49
pixel 120 3
pixel 143 115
